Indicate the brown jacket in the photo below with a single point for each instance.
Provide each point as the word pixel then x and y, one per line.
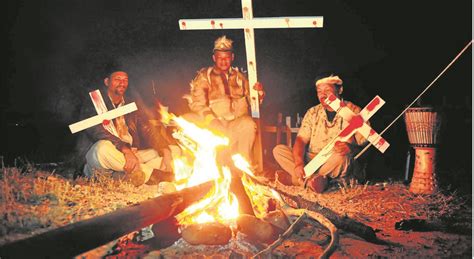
pixel 227 95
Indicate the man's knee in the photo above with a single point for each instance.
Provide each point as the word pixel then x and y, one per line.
pixel 103 148
pixel 279 151
pixel 246 125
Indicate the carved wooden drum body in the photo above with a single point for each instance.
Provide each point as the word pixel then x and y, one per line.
pixel 423 125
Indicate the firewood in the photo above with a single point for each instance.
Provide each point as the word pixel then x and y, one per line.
pixel 278 219
pixel 258 230
pixel 165 233
pixel 342 222
pixel 213 233
pixel 82 236
pixel 302 213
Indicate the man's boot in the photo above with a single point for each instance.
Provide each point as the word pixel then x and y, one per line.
pixel 158 176
pixel 136 177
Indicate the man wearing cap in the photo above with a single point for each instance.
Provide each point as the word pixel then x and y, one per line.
pixel 319 126
pixel 137 152
pixel 220 96
pixel 219 99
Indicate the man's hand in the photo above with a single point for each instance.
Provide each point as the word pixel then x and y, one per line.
pixel 342 148
pixel 298 178
pixel 261 93
pixel 131 160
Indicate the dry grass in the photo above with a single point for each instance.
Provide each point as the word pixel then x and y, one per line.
pixel 393 202
pixel 33 201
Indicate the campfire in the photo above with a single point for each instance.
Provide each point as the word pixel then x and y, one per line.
pixel 215 219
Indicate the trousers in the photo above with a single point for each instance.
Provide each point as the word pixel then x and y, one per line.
pixel 335 167
pixel 104 155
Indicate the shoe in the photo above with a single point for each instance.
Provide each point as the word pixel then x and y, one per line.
pixel 283 177
pixel 136 178
pixel 318 184
pixel 158 176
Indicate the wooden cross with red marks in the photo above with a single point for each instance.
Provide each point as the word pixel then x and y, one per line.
pixel 357 123
pixel 103 116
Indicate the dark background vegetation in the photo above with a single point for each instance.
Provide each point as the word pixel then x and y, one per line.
pixel 56 52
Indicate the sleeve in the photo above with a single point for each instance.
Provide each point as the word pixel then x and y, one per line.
pixel 199 90
pixel 307 124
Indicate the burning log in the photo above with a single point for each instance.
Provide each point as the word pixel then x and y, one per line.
pixel 341 222
pixel 212 233
pixel 82 236
pixel 258 230
pixel 278 219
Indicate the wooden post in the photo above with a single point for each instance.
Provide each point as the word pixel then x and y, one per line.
pixel 74 239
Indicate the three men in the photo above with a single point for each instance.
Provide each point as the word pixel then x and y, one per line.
pixel 319 126
pixel 137 152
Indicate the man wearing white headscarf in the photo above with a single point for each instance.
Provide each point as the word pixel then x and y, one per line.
pixel 319 126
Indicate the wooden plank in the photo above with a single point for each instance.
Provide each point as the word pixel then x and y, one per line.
pixel 79 237
pixel 98 119
pixel 255 23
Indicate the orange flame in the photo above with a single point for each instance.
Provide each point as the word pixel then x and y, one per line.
pixel 198 167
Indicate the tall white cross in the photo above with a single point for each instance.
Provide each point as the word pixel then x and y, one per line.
pixel 248 23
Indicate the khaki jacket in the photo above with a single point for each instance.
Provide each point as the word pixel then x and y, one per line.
pixel 208 91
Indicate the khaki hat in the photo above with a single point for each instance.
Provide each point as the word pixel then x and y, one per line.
pixel 223 44
pixel 332 80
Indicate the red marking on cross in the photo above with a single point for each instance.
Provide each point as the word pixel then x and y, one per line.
pixel 372 132
pixel 332 98
pixel 381 141
pixel 183 23
pixel 373 104
pixel 222 25
pixel 315 23
pixel 213 22
pixel 354 123
pixel 95 97
pixel 106 122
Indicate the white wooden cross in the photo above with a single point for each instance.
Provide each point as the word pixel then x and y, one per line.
pixel 105 117
pixel 357 123
pixel 248 23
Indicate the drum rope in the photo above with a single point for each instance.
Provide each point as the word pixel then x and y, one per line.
pixel 418 97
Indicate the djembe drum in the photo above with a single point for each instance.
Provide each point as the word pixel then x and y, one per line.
pixel 423 125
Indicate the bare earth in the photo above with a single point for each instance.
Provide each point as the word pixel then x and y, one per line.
pixel 36 201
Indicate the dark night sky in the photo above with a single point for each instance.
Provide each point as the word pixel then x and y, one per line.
pixel 57 49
